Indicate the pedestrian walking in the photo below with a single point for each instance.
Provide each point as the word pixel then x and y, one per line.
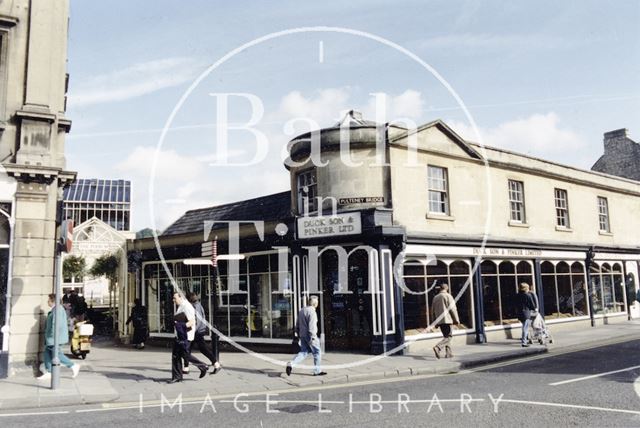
pixel 307 332
pixel 444 313
pixel 185 323
pixel 525 306
pixel 201 332
pixel 140 326
pixel 61 331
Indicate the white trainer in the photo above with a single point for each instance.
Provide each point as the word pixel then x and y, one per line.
pixel 75 369
pixel 44 376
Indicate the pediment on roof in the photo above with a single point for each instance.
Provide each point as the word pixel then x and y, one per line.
pixel 438 136
pixel 95 236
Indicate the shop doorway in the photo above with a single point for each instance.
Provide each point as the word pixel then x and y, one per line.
pixel 346 314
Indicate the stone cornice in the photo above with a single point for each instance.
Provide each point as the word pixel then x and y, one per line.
pixel 37 173
pixel 36 115
pixel 8 21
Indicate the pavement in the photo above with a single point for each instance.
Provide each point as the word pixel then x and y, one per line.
pixel 116 374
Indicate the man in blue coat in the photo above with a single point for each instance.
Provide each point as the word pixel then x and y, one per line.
pixel 63 338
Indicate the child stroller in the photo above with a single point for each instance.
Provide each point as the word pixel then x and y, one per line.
pixel 539 332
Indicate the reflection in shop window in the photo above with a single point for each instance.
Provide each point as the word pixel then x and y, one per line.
pixel 423 279
pixel 563 289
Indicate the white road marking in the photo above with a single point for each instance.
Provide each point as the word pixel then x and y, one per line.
pixel 593 376
pixel 571 406
pixel 34 413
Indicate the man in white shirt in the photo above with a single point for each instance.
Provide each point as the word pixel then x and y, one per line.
pixel 185 323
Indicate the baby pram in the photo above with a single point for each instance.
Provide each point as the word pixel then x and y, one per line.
pixel 539 331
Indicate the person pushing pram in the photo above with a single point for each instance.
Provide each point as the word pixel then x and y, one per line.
pixel 539 332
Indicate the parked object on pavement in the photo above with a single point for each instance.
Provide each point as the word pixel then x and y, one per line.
pixel 539 332
pixel 81 339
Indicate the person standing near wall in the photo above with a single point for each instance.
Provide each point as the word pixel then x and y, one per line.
pixel 140 327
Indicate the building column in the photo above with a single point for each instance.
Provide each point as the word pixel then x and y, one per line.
pixel 478 308
pixel 33 268
pixel 387 333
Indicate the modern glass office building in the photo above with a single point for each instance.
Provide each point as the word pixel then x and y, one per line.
pixel 108 200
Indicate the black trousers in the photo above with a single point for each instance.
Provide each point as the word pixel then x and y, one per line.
pixel 180 352
pixel 210 353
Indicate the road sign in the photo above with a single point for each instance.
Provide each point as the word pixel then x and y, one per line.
pixel 66 236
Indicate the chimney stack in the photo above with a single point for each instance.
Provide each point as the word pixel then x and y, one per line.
pixel 613 137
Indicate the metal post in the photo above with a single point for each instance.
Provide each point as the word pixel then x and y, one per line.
pixel 476 284
pixel 588 262
pixel 55 368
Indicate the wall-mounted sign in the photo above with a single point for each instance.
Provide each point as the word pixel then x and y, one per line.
pixel 361 200
pixel 339 224
pixel 513 252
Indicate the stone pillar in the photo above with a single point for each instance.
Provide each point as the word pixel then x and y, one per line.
pixel 33 268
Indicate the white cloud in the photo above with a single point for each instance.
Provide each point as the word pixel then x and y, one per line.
pixel 169 165
pixel 324 107
pixel 134 81
pixel 327 106
pixel 540 135
pixel 407 105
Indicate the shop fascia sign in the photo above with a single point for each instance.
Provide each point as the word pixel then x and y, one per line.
pixel 334 225
pixel 511 252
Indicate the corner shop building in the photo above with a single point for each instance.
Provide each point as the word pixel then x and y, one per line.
pixel 481 219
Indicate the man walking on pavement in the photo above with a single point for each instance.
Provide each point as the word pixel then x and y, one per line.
pixel 185 325
pixel 201 332
pixel 61 331
pixel 445 314
pixel 307 332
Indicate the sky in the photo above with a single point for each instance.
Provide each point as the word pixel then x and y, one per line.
pixel 542 78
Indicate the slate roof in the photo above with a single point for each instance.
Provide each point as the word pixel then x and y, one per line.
pixel 266 208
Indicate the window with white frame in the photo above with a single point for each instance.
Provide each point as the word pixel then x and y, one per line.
pixel 438 190
pixel 603 214
pixel 516 201
pixel 307 190
pixel 562 208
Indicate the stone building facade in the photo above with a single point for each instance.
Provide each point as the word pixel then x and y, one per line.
pixel 372 225
pixel 621 155
pixel 33 125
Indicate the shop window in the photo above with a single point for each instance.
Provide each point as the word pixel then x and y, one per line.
pixel 421 289
pixel 281 305
pixel 508 292
pixel 516 201
pixel 438 190
pixel 549 294
pixel 490 293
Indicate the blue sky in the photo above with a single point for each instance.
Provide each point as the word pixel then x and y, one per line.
pixel 542 78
